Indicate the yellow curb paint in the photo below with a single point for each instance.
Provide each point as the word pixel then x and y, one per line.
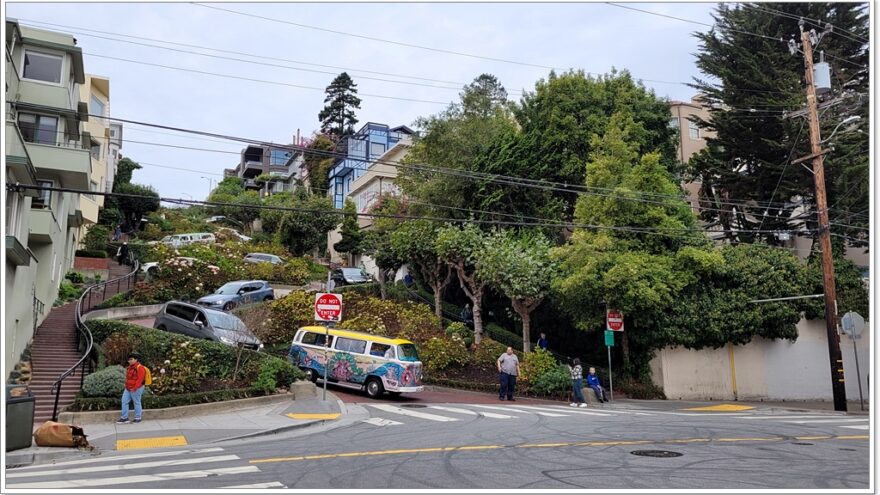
pixel 150 443
pixel 749 439
pixel 546 445
pixel 720 408
pixel 314 416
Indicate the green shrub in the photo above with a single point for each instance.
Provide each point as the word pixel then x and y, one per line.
pixel 369 289
pixel 108 382
pixel 536 364
pixel 274 373
pixel 462 330
pixel 486 353
pixel 437 354
pixel 91 253
pixel 68 291
pixel 96 237
pixel 294 272
pixel 181 371
pixel 501 334
pixel 164 401
pixel 115 301
pixel 75 277
pixel 116 348
pixel 367 323
pixel 554 381
pixel 635 389
pixel 292 311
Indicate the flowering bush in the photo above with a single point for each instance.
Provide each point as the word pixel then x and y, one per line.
pixel 366 323
pixel 439 353
pixel 116 349
pixel 287 315
pixel 181 372
pixel 460 329
pixel 405 320
pixel 536 364
pixel 486 353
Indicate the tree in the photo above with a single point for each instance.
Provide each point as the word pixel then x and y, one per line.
pixel 352 237
pixel 750 81
pixel 240 203
pixel 317 163
pixel 128 210
pixel 520 267
pixel 483 96
pixel 304 231
pixel 377 241
pixel 416 242
pixel 338 117
pixel 463 249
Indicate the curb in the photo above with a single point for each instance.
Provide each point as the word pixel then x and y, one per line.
pixel 30 457
pixel 93 417
pixel 272 431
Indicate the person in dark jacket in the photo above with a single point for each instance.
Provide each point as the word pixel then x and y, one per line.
pixel 542 341
pixel 593 383
pixel 467 317
pixel 123 253
pixel 135 378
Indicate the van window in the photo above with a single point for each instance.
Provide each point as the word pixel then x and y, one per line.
pixel 407 352
pixel 351 345
pixel 183 312
pixel 381 350
pixel 312 338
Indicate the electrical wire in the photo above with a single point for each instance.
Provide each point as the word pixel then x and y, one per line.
pixel 838 30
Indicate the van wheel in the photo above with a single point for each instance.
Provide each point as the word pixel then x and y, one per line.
pixel 311 374
pixel 228 306
pixel 374 388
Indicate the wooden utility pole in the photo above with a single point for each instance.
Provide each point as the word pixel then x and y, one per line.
pixel 838 386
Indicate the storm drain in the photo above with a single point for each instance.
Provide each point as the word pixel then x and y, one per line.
pixel 656 453
pixel 415 406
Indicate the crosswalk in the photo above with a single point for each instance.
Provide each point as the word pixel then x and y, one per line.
pixel 137 469
pixel 839 421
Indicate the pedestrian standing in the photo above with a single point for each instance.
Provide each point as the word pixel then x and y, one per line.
pixel 542 341
pixel 593 383
pixel 135 380
pixel 508 367
pixel 123 253
pixel 577 382
pixel 467 316
pixel 117 233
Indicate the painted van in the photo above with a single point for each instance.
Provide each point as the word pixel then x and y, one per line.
pixel 375 364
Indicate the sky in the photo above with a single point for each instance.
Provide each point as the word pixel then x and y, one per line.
pixel 594 37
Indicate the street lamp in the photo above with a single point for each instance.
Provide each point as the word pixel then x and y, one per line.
pixel 210 184
pixel 852 118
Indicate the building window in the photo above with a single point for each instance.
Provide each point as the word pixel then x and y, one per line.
pixel 673 122
pixel 96 150
pixel 40 66
pixel 377 149
pixel 44 200
pixel 693 130
pixel 279 158
pixel 96 107
pixel 38 128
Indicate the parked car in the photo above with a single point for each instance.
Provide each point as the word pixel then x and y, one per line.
pixel 350 276
pixel 237 293
pixel 204 323
pixel 263 258
pixel 153 266
pixel 236 233
pixel 178 240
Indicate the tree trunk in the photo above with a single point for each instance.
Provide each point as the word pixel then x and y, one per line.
pixel 382 284
pixel 478 322
pixel 438 299
pixel 524 308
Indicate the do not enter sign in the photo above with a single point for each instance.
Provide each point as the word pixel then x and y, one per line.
pixel 614 320
pixel 328 307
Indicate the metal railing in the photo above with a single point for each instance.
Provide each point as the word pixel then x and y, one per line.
pixel 84 339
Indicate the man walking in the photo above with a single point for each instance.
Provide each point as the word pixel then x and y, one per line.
pixel 508 367
pixel 135 377
pixel 123 253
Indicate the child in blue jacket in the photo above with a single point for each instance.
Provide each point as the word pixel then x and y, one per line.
pixel 593 383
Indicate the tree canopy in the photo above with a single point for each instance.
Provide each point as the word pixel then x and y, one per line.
pixel 338 117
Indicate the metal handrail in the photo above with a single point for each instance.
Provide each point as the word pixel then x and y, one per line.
pixel 84 336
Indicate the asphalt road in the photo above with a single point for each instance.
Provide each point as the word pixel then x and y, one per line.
pixel 493 444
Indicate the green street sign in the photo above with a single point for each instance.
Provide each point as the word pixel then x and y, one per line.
pixel 609 338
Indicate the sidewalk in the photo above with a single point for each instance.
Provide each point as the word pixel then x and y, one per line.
pixel 225 424
pixel 782 406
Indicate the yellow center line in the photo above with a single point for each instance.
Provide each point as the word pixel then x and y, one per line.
pixel 547 445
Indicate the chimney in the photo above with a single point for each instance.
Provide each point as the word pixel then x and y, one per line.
pixel 297 142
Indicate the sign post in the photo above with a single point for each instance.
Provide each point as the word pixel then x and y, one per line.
pixel 328 309
pixel 853 324
pixel 613 323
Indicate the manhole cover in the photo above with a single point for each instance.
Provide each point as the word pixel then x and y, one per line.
pixel 413 405
pixel 656 453
pixel 801 443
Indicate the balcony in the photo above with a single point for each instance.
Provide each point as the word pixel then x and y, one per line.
pixel 71 162
pixel 18 162
pixel 252 169
pixel 42 224
pixel 89 208
pixel 17 254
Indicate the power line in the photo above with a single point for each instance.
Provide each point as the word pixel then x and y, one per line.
pixel 838 30
pixel 784 167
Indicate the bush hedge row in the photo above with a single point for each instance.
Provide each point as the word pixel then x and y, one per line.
pixel 91 253
pixel 163 401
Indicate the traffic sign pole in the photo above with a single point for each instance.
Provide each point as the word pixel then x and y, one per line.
pixel 328 309
pixel 326 345
pixel 858 374
pixel 610 380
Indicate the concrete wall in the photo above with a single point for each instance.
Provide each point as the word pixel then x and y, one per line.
pixel 762 369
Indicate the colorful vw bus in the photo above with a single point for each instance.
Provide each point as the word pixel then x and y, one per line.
pixel 375 364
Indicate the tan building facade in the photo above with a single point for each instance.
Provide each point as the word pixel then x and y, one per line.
pixel 96 93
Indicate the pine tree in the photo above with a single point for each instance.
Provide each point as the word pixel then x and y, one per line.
pixel 352 237
pixel 338 117
pixel 757 79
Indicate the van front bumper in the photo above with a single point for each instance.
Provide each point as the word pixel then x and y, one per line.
pixel 404 390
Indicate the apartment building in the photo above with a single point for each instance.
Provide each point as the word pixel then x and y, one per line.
pixel 45 145
pixel 283 164
pixel 365 173
pixel 96 93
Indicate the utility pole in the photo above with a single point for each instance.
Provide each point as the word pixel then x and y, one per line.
pixel 838 386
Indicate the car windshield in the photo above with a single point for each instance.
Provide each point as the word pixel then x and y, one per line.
pixel 225 321
pixel 407 352
pixel 354 273
pixel 229 289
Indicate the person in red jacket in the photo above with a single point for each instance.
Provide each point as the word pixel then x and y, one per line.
pixel 135 376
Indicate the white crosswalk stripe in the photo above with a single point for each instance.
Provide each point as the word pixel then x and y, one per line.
pixel 784 417
pixel 408 412
pixel 473 413
pixel 511 409
pixel 571 410
pixel 824 421
pixel 857 427
pixel 143 468
pixel 381 422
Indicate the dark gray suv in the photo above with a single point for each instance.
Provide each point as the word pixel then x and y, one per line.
pixel 203 323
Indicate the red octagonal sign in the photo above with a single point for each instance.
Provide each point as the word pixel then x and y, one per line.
pixel 614 320
pixel 328 307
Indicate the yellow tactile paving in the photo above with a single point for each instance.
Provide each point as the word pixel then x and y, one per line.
pixel 150 443
pixel 721 408
pixel 314 416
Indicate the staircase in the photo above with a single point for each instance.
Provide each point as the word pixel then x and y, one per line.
pixel 54 351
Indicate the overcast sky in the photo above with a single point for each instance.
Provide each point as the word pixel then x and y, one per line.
pixel 593 37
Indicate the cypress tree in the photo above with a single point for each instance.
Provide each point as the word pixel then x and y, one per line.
pixel 338 117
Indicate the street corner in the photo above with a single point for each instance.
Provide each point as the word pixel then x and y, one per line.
pixel 720 408
pixel 151 442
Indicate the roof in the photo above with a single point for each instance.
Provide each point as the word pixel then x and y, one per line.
pixel 356 335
